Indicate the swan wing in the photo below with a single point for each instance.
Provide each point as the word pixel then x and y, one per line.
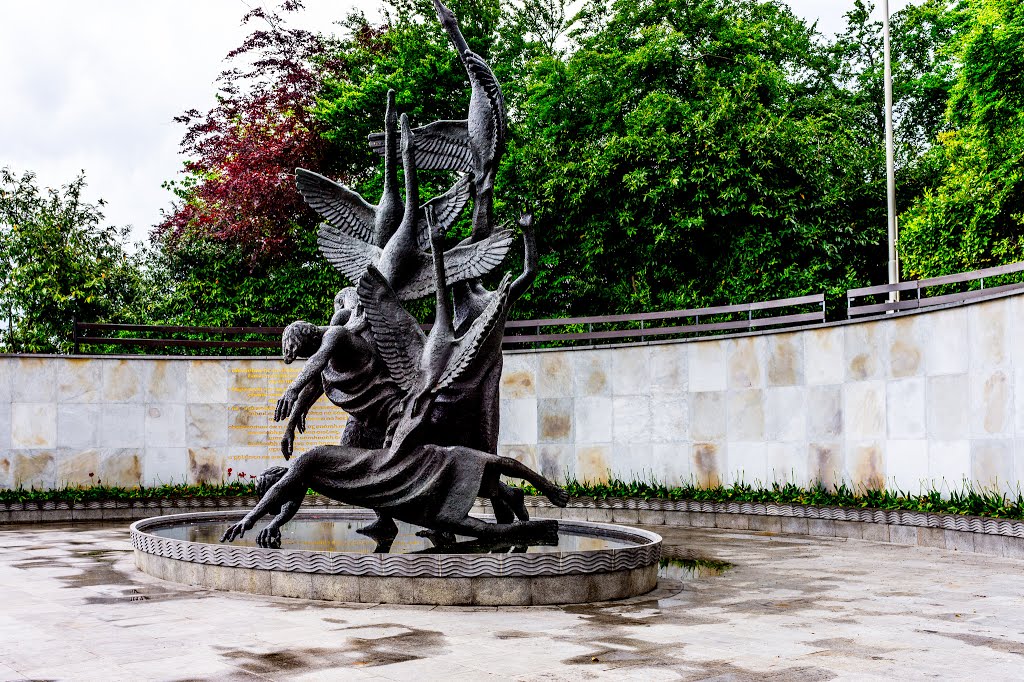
pixel 337 204
pixel 447 208
pixel 463 262
pixel 481 77
pixel 441 145
pixel 349 256
pixel 467 347
pixel 396 334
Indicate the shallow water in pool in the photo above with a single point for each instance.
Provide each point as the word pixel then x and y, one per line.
pixel 331 535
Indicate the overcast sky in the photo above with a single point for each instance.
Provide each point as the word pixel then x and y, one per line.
pixel 94 86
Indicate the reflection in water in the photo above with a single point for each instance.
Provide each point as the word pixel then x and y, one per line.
pixel 342 536
pixel 691 569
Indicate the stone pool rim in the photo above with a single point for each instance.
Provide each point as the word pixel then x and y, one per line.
pixel 521 579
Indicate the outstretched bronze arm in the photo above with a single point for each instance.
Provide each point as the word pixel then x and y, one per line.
pixel 283 499
pixel 308 396
pixel 314 366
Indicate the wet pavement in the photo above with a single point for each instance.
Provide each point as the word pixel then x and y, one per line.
pixel 73 606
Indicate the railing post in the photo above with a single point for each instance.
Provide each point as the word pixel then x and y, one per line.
pixel 590 330
pixel 74 335
pixel 750 318
pixel 982 283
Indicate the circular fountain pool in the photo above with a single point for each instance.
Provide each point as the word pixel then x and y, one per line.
pixel 322 556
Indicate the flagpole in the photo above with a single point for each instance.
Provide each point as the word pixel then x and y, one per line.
pixel 890 172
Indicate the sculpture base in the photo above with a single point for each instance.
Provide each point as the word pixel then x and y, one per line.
pixel 593 562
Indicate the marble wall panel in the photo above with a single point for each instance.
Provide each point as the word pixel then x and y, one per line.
pixel 166 425
pixel 206 465
pixel 33 468
pixel 631 419
pixel 518 421
pixel 670 462
pixel 748 463
pixel 122 425
pixel 947 407
pixel 669 420
pixel 949 464
pixel 864 410
pixel 708 461
pixel 519 375
pixel 78 425
pixel 527 454
pixel 951 354
pixel 5 428
pixel 593 419
pixel 34 380
pixel 826 463
pixel 991 402
pixel 785 418
pixel 988 334
pixel 745 419
pixel 79 380
pixel 906 465
pixel 668 369
pixel 746 362
pixel 592 372
pixel 206 425
pixel 593 462
pixel 631 461
pixel 557 461
pixel 905 408
pixel 206 381
pixel 907 344
pixel 865 464
pixel 124 381
pixel 555 375
pixel 33 425
pixel 706 366
pixel 785 463
pixel 992 463
pixel 824 355
pixel 167 382
pixel 7 372
pixel 824 412
pixel 555 420
pixel 166 466
pixel 631 371
pixel 708 416
pixel 864 350
pixel 785 359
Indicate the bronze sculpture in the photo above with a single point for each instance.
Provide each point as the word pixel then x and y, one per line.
pixel 421 441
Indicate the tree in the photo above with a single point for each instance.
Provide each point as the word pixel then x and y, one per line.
pixel 58 262
pixel 973 216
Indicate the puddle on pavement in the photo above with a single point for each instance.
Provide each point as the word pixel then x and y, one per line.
pixel 684 569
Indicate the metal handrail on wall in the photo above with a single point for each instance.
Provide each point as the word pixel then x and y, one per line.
pixel 921 285
pixel 785 312
pixel 690 321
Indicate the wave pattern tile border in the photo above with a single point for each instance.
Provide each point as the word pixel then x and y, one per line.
pixel 645 553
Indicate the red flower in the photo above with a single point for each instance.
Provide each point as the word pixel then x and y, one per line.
pixel 229 471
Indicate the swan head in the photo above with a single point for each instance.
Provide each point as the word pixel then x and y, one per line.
pixel 443 13
pixel 407 146
pixel 391 113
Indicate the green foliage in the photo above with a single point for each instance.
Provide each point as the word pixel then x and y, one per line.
pixel 973 215
pixel 966 501
pixel 57 263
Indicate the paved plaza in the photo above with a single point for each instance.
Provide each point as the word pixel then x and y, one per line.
pixel 72 606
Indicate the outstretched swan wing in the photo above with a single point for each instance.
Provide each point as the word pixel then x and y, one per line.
pixel 467 347
pixel 337 204
pixel 447 208
pixel 441 145
pixel 396 333
pixel 481 77
pixel 348 255
pixel 460 263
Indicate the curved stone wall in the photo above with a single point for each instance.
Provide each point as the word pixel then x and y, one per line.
pixel 917 399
